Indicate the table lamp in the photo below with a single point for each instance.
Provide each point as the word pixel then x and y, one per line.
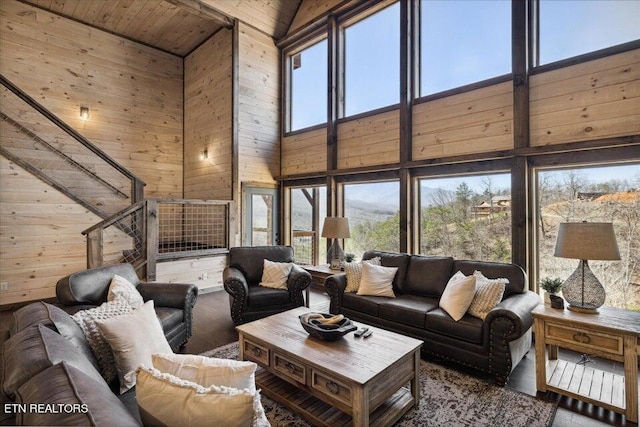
pixel 335 228
pixel 584 241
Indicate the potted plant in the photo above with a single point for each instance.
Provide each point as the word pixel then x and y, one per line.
pixel 349 257
pixel 552 285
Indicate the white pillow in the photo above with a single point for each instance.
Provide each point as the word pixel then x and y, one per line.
pixel 458 294
pixel 353 271
pixel 101 349
pixel 377 280
pixel 165 399
pixel 488 294
pixel 206 371
pixel 133 339
pixel 121 287
pixel 275 274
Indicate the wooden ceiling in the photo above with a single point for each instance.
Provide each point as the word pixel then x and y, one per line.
pixel 176 26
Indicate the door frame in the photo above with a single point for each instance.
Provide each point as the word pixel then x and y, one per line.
pixel 248 190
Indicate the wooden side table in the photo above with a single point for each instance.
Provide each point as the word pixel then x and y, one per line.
pixel 612 334
pixel 319 273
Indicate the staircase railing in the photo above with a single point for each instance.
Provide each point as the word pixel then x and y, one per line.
pixel 38 141
pixel 159 229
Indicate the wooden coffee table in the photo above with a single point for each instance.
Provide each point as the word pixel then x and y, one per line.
pixel 351 381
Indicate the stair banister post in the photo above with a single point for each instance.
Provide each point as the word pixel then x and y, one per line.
pixel 150 236
pixel 94 248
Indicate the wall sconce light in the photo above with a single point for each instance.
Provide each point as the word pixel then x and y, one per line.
pixel 204 154
pixel 84 113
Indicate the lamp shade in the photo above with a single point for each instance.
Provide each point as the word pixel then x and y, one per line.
pixel 336 227
pixel 587 240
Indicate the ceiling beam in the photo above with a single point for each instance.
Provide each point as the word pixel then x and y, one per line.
pixel 203 10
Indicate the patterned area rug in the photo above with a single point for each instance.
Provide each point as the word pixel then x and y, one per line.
pixel 448 398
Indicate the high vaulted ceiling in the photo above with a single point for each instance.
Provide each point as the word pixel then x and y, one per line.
pixel 176 26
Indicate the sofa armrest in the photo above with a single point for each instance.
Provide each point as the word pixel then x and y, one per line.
pixel 334 286
pixel 236 286
pixel 299 279
pixel 516 310
pixel 175 295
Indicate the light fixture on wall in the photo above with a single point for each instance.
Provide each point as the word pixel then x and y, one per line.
pixel 584 241
pixel 204 154
pixel 84 113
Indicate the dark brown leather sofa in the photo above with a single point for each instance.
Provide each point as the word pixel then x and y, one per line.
pixel 47 361
pixel 495 345
pixel 247 300
pixel 173 302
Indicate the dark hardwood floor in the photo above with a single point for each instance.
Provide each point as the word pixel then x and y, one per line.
pixel 213 327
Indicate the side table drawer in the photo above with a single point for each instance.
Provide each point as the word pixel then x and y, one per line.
pixel 288 368
pixel 329 386
pixel 607 343
pixel 257 353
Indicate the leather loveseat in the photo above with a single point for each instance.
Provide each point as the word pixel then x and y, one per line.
pixel 173 302
pixel 494 346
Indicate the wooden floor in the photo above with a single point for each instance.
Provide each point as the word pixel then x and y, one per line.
pixel 213 327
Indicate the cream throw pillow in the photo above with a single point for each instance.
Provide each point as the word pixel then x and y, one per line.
pixel 101 350
pixel 275 274
pixel 205 371
pixel 121 287
pixel 458 294
pixel 353 271
pixel 133 339
pixel 488 294
pixel 377 280
pixel 165 399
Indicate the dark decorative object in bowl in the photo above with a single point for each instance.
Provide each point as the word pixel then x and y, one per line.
pixel 325 326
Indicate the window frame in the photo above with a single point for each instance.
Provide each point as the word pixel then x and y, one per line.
pixel 287 80
pixel 343 22
pixel 489 167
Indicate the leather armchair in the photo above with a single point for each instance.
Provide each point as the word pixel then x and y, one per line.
pixel 247 300
pixel 173 302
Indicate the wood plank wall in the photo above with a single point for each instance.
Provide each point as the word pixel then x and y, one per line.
pixel 208 119
pixel 206 273
pixel 478 121
pixel 304 152
pixel 134 92
pixel 372 140
pixel 40 235
pixel 258 105
pixel 596 99
pixel 135 98
pixel 310 9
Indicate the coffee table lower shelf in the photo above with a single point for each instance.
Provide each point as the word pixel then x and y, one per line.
pixel 323 414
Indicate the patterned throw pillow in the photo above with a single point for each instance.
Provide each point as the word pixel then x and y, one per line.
pixel 275 274
pixel 121 287
pixel 488 294
pixel 353 271
pixel 100 347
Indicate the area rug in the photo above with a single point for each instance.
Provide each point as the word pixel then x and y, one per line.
pixel 447 398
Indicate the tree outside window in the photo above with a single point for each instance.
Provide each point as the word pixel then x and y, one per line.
pixel 604 194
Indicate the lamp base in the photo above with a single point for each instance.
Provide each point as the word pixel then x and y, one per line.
pixel 583 291
pixel 335 252
pixel 583 310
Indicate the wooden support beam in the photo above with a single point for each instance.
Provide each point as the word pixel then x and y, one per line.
pixel 333 87
pixel 203 10
pixel 520 66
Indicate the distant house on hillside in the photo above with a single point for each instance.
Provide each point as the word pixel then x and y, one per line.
pixel 495 205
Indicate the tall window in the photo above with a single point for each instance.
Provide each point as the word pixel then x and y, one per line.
pixel 308 99
pixel 570 28
pixel 308 211
pixel 466 217
pixel 462 42
pixel 603 194
pixel 372 62
pixel 374 217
